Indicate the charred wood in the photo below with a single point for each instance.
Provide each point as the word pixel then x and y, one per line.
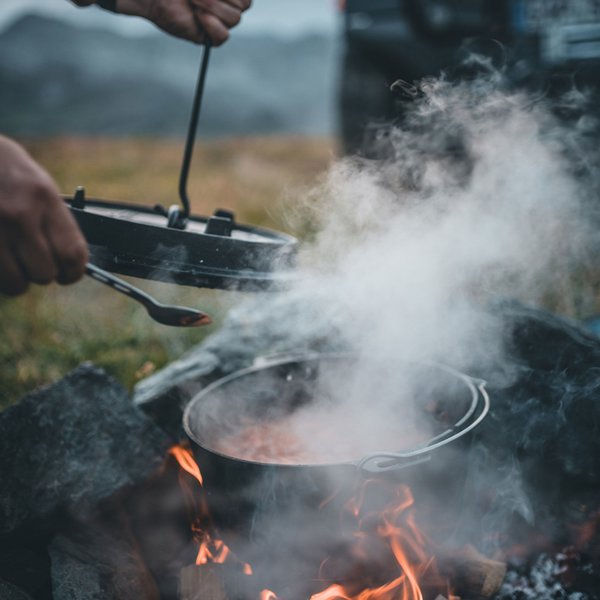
pixel 472 575
pixel 216 582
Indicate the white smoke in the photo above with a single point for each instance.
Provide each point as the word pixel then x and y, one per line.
pixel 481 196
pixel 476 201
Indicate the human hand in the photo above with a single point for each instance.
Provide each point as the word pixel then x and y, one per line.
pixel 186 19
pixel 40 241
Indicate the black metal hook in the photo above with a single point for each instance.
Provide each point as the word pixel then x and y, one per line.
pixel 177 217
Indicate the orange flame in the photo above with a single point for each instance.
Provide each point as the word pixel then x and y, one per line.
pixel 216 551
pixel 335 592
pixel 406 544
pixel 186 461
pixel 395 528
pixel 210 550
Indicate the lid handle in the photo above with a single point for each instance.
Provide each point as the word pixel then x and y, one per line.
pixel 178 216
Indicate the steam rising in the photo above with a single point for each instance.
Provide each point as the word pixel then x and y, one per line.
pixel 483 194
pixel 477 200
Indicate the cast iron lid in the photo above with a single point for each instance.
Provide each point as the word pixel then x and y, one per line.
pixel 213 252
pixel 174 246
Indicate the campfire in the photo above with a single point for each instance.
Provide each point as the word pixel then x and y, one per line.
pixel 386 555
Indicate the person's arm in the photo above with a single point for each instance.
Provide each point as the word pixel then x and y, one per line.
pixel 186 19
pixel 40 241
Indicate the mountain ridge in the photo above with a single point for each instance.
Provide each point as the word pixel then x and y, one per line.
pixel 61 79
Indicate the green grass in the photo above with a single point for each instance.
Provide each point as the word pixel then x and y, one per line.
pixel 50 330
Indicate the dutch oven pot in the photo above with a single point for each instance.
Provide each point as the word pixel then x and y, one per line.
pixel 249 498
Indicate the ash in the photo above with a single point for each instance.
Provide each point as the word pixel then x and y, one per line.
pixel 564 576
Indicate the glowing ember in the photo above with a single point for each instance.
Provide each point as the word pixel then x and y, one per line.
pixel 211 551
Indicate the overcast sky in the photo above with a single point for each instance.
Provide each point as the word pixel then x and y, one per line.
pixel 285 16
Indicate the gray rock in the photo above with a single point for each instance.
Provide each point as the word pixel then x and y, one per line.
pixel 536 458
pixel 11 592
pixel 98 559
pixel 549 413
pixel 66 447
pixel 72 578
pixel 164 395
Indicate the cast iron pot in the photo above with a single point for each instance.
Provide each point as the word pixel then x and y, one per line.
pixel 249 499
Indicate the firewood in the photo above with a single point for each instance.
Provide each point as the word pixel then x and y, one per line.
pixel 472 574
pixel 217 582
pixel 202 582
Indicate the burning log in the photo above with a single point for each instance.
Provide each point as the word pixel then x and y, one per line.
pixel 216 581
pixel 473 575
pixel 203 582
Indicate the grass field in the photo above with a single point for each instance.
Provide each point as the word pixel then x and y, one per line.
pixel 50 330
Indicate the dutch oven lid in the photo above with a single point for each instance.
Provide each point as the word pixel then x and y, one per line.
pixel 213 252
pixel 174 246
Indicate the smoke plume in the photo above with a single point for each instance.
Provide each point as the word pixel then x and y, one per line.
pixel 481 194
pixel 479 198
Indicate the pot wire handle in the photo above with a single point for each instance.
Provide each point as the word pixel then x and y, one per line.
pixel 383 462
pixel 177 216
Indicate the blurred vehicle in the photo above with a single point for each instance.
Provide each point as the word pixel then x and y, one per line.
pixel 544 44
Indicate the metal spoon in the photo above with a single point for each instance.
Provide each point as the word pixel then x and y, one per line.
pixel 177 316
